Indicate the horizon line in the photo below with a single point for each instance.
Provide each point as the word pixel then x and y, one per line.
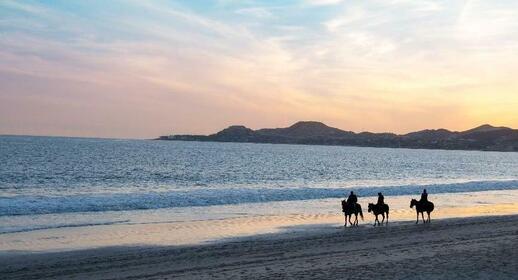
pixel 153 137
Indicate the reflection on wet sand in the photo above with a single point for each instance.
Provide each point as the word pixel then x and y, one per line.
pixel 174 228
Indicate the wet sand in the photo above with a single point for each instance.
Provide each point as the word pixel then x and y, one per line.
pixel 460 248
pixel 194 226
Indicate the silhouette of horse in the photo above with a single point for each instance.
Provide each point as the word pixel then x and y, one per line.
pixel 379 210
pixel 421 207
pixel 349 211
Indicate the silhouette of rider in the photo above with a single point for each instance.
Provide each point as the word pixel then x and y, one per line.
pixel 352 200
pixel 424 196
pixel 381 199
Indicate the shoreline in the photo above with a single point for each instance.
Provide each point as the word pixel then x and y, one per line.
pixel 483 247
pixel 331 145
pixel 202 225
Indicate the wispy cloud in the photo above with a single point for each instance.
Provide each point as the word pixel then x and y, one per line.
pixel 324 2
pixel 258 12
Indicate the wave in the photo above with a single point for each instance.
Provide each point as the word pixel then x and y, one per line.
pixel 18 230
pixel 30 205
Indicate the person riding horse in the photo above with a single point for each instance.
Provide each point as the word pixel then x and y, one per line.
pixel 351 207
pixel 423 205
pixel 380 208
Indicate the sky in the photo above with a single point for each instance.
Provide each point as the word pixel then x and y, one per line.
pixel 139 69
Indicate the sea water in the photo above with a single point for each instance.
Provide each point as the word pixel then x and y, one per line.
pixel 55 182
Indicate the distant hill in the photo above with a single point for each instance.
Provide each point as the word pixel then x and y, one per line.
pixel 485 137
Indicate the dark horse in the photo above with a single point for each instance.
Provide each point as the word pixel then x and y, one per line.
pixel 377 210
pixel 421 207
pixel 349 210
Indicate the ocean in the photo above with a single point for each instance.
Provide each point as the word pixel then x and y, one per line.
pixel 58 182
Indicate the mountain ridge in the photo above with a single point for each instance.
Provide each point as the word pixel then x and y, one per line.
pixel 485 137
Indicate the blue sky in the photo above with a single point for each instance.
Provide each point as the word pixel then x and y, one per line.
pixel 144 68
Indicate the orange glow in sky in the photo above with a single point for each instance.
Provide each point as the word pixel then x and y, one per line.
pixel 139 69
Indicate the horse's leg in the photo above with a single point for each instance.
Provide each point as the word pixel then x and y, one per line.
pixel 350 216
pixel 386 223
pixel 383 216
pixel 428 216
pixel 375 219
pixel 417 221
pixel 345 218
pixel 422 216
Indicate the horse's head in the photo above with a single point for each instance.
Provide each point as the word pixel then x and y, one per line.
pixel 370 207
pixel 412 203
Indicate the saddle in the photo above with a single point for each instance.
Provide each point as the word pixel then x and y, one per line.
pixel 425 203
pixel 345 205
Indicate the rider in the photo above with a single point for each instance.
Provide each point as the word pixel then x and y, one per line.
pixel 381 199
pixel 352 200
pixel 424 196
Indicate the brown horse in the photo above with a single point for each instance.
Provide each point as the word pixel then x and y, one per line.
pixel 421 207
pixel 349 210
pixel 379 210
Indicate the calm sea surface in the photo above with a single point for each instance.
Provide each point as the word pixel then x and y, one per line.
pixel 48 175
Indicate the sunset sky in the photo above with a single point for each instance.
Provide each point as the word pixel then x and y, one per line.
pixel 139 69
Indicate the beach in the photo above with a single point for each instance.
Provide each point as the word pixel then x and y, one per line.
pixel 458 248
pixel 212 224
pixel 136 209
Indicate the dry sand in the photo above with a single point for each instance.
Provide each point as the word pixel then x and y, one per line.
pixel 466 248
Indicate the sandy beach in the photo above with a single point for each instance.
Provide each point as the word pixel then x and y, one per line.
pixel 460 248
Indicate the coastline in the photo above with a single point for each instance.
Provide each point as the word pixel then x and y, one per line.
pixel 212 224
pixel 317 133
pixel 331 145
pixel 456 248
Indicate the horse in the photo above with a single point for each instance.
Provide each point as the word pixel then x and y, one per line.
pixel 421 207
pixel 349 211
pixel 377 210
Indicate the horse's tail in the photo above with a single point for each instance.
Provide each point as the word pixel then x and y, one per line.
pixel 360 210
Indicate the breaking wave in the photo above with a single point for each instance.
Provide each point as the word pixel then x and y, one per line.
pixel 30 205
